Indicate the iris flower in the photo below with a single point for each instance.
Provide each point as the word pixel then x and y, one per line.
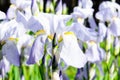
pixel 9 32
pixel 55 24
pixel 23 6
pixel 110 14
pixel 11 29
pixel 9 55
pixel 94 53
pixel 81 12
pixel 107 11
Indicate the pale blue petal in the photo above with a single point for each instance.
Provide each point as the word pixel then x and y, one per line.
pixel 59 7
pixel 92 22
pixel 95 54
pixel 84 33
pixel 82 13
pixel 115 27
pixel 101 32
pixel 21 18
pixel 10 51
pixel 108 10
pixel 106 14
pixel 108 4
pixel 37 50
pixel 34 24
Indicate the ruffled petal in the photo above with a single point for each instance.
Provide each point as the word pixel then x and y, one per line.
pixel 71 53
pixel 84 33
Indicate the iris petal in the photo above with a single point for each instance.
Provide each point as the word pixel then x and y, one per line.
pixel 115 27
pixel 95 53
pixel 10 51
pixel 71 53
pixel 37 50
pixel 83 33
pixel 2 15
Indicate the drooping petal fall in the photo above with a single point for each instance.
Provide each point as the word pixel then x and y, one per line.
pixel 71 52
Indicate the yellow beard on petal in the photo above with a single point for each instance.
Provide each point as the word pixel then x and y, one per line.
pixel 13 39
pixel 60 38
pixel 39 32
pixel 50 36
pixel 69 34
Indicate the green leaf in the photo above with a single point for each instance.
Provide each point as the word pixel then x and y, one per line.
pixel 30 33
pixel 68 23
pixel 71 72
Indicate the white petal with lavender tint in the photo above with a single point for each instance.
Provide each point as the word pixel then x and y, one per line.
pixel 106 14
pixel 21 18
pixel 108 4
pixel 71 52
pixel 11 12
pixel 2 15
pixel 87 3
pixel 94 53
pixel 82 13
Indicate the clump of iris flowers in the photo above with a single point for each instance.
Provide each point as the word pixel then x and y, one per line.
pixel 49 44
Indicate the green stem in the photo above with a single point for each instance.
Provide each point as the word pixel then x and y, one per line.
pixel 25 72
pixel 87 67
